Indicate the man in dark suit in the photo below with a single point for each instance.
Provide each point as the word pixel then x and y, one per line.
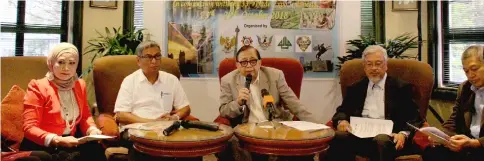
pixel 465 124
pixel 377 96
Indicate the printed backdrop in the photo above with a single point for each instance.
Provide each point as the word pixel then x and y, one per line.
pixel 203 33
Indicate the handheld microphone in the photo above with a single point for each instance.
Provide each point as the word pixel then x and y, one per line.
pixel 268 102
pixel 248 80
pixel 169 130
pixel 199 125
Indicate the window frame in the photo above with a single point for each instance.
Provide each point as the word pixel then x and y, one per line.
pixel 20 28
pixel 74 36
pixel 437 22
pixel 378 16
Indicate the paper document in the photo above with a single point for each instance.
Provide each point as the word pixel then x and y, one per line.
pixel 367 128
pixel 93 137
pixel 145 126
pixel 436 134
pixel 305 126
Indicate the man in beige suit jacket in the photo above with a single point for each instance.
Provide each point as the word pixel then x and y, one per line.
pixel 233 92
pixel 271 79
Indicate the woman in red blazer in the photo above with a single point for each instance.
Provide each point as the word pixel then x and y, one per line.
pixel 56 110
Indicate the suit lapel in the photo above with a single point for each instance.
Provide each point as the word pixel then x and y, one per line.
pixel 363 88
pixel 264 84
pixel 389 86
pixel 238 81
pixel 468 114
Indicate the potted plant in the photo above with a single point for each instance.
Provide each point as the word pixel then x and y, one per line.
pixel 113 43
pixel 395 47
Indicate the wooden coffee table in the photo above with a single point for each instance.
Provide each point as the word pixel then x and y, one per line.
pixel 182 143
pixel 282 140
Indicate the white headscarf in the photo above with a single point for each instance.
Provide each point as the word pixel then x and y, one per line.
pixel 54 54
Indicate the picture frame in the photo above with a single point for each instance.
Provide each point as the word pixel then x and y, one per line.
pixel 110 4
pixel 404 5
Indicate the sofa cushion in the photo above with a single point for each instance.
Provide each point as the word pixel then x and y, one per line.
pixel 12 109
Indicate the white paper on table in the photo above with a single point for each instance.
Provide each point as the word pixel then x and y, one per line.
pixel 366 127
pixel 94 137
pixel 305 126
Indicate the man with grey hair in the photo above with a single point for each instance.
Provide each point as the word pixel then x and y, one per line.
pixel 377 96
pixel 149 94
pixel 465 123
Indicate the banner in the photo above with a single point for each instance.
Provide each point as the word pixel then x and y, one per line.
pixel 203 33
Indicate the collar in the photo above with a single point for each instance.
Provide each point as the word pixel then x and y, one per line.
pixel 477 90
pixel 380 83
pixel 141 76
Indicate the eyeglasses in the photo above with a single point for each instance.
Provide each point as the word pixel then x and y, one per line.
pixel 252 62
pixel 150 58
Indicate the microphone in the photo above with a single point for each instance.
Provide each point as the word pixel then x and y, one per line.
pixel 199 125
pixel 248 80
pixel 172 128
pixel 268 102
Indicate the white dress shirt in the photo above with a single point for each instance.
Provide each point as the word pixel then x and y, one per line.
pixel 375 100
pixel 255 102
pixel 138 96
pixel 479 105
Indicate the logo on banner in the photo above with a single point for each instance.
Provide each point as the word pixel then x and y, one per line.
pixel 228 43
pixel 264 41
pixel 304 42
pixel 247 40
pixel 284 44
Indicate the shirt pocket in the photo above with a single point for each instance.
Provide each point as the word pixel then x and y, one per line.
pixel 167 101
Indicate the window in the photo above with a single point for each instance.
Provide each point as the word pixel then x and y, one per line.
pixel 133 15
pixel 31 28
pixel 138 14
pixel 372 19
pixel 367 27
pixel 462 26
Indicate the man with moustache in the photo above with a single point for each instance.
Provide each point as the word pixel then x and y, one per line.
pixel 377 96
pixel 149 94
pixel 233 92
pixel 465 123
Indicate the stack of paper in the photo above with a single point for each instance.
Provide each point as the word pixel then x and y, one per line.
pixel 305 126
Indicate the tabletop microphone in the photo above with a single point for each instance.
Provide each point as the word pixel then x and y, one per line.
pixel 268 102
pixel 199 125
pixel 172 128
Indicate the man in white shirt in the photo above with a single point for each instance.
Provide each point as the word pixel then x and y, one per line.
pixel 149 94
pixel 377 96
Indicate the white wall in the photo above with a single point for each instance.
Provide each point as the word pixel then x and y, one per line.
pixel 399 22
pixel 96 19
pixel 321 96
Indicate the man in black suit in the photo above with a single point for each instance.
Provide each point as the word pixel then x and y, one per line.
pixel 465 123
pixel 377 96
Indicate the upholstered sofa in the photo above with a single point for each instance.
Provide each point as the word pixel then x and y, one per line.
pixel 16 73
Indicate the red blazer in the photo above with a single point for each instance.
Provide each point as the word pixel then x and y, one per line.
pixel 42 113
